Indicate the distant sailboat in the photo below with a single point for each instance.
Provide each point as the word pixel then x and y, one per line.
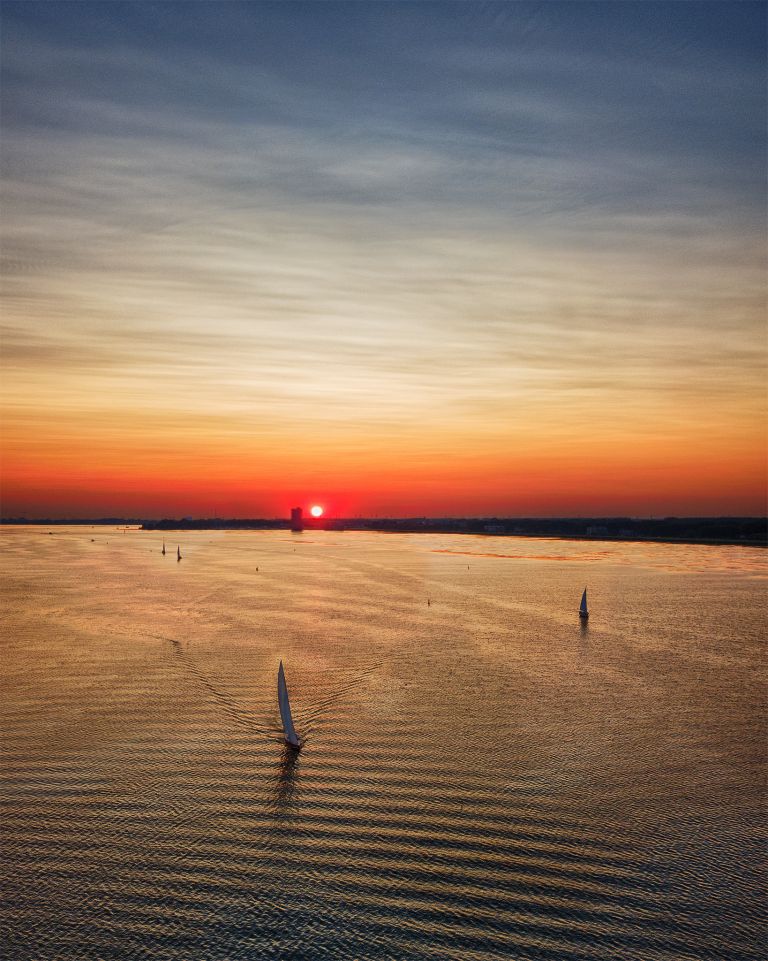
pixel 583 612
pixel 291 737
pixel 163 550
pixel 178 553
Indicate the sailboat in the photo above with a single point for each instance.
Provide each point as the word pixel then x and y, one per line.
pixel 583 612
pixel 291 737
pixel 178 553
pixel 163 550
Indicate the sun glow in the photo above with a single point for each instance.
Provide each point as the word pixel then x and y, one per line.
pixel 316 511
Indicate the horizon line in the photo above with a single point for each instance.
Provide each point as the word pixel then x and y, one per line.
pixel 112 518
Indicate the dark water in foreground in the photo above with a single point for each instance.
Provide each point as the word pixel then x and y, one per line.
pixel 481 777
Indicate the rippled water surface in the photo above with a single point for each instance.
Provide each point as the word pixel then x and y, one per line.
pixel 481 777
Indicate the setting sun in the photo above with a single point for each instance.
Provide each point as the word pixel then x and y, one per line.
pixel 316 511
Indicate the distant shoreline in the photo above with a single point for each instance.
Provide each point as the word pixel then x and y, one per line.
pixel 711 531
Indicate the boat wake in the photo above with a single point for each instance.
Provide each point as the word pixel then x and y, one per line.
pixel 309 715
pixel 319 708
pixel 228 704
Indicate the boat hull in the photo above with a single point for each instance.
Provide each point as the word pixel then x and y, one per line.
pixel 584 617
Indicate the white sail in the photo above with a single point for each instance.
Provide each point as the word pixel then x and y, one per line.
pixel 285 709
pixel 583 608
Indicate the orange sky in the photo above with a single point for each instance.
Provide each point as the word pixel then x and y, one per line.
pixel 232 284
pixel 425 409
pixel 207 475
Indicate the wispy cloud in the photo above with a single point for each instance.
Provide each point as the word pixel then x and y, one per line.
pixel 481 226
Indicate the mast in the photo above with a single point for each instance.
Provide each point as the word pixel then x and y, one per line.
pixel 289 730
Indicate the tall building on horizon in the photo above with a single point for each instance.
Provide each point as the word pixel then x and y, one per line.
pixel 297 521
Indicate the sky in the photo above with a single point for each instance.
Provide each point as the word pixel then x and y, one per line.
pixel 391 258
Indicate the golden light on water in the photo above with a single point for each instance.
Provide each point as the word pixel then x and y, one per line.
pixel 124 720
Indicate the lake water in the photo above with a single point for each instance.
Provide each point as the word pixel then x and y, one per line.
pixel 481 777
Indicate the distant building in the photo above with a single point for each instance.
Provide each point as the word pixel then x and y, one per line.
pixel 297 522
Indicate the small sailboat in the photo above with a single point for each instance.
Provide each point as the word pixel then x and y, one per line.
pixel 583 612
pixel 178 553
pixel 291 737
pixel 163 550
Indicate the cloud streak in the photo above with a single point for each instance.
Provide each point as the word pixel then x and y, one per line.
pixel 472 228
